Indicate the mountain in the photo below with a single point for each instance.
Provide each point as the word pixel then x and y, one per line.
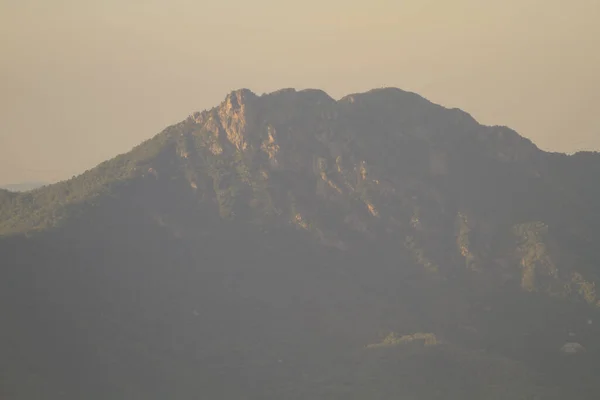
pixel 290 245
pixel 23 186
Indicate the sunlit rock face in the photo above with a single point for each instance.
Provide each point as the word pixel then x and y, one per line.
pixel 282 237
pixel 572 348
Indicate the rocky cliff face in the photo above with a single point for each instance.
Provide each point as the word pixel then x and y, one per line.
pixel 384 208
pixel 383 164
pixel 386 163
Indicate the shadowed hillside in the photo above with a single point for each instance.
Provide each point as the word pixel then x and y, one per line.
pixel 293 246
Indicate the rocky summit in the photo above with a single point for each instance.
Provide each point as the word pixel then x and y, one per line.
pixel 293 246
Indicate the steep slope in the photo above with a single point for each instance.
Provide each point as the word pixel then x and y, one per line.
pixel 23 187
pixel 259 248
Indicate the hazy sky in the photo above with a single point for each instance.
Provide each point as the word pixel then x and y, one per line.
pixel 82 80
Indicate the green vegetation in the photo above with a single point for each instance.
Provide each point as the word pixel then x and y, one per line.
pixel 187 264
pixel 586 289
pixel 49 206
pixel 533 252
pixel 419 255
pixel 464 243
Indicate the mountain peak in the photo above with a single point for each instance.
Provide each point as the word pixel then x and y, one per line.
pixel 316 95
pixel 274 230
pixel 392 94
pixel 248 139
pixel 237 98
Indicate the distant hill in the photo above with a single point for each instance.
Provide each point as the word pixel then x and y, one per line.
pixel 23 187
pixel 291 246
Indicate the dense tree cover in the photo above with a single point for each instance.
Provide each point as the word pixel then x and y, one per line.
pixel 267 248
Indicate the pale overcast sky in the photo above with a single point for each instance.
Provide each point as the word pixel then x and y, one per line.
pixel 81 80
